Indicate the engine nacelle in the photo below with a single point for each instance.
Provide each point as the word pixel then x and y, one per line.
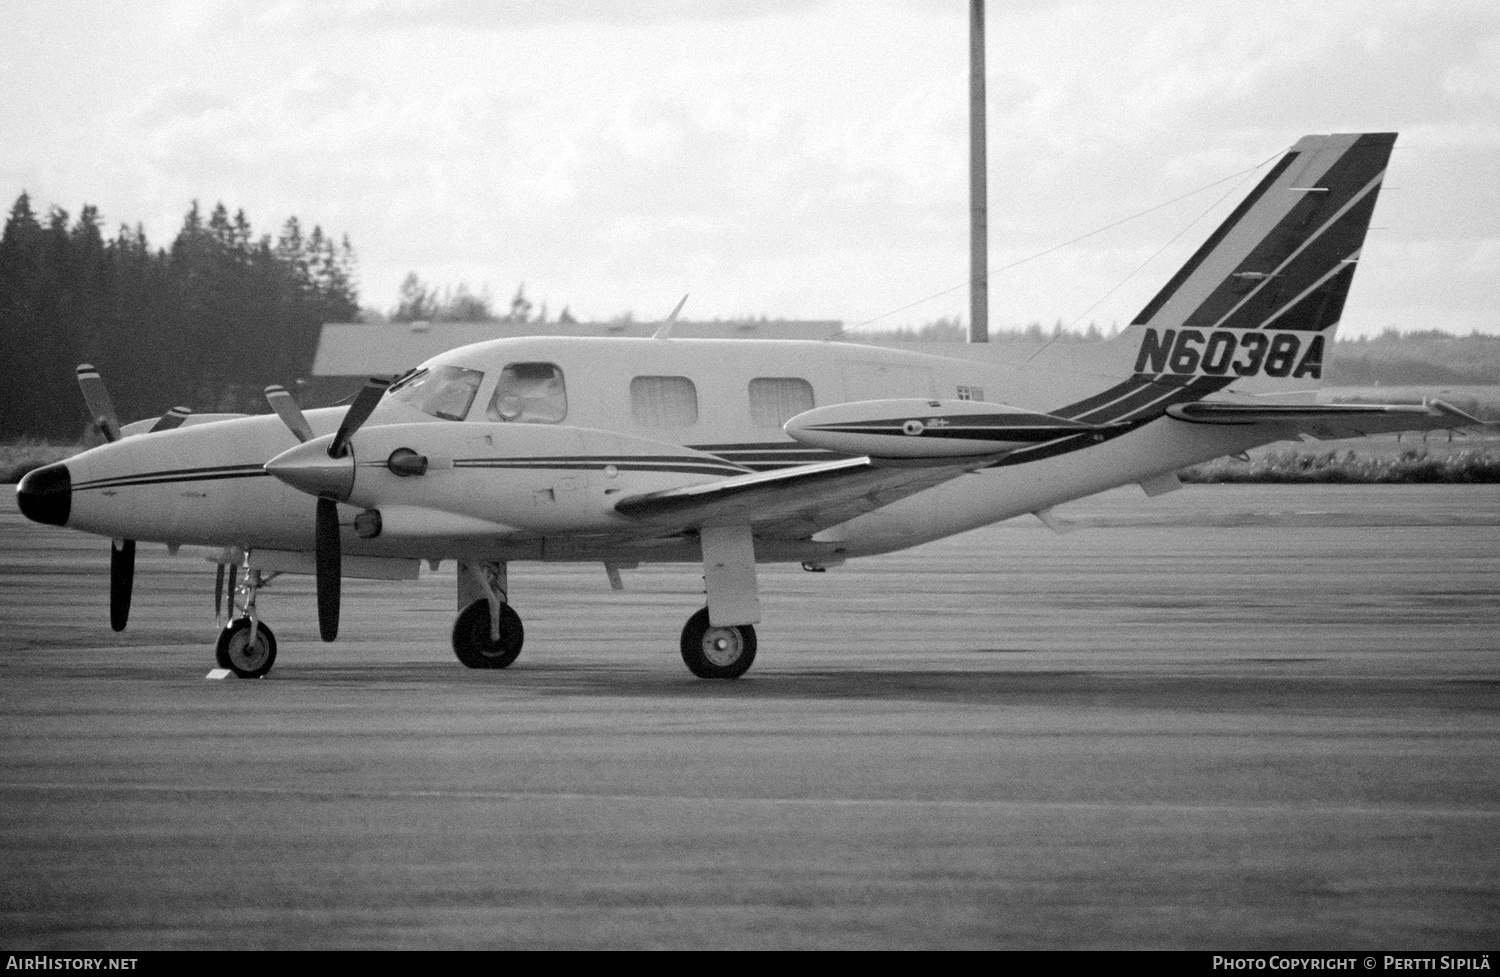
pixel 532 478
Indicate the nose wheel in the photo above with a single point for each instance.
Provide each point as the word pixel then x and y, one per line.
pixel 245 649
pixel 246 646
pixel 717 652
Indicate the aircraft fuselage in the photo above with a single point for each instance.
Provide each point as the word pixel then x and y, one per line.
pixel 628 416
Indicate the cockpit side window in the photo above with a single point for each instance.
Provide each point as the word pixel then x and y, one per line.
pixel 530 393
pixel 445 392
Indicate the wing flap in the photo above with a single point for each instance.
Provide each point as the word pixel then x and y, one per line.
pixel 793 502
pixel 1330 422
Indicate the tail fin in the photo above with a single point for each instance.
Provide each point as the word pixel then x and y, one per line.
pixel 1258 303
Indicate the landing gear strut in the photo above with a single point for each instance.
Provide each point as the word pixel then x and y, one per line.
pixel 488 633
pixel 246 646
pixel 725 649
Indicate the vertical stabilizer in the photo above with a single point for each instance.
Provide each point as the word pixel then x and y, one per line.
pixel 1257 305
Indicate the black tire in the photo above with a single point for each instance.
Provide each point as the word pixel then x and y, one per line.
pixel 240 654
pixel 471 636
pixel 710 652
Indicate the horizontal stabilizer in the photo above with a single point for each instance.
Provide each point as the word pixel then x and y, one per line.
pixel 1330 422
pixel 929 429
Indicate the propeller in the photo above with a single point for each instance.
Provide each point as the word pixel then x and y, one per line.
pixel 359 412
pixel 121 582
pixel 291 415
pixel 122 552
pixel 96 396
pixel 326 546
pixel 330 568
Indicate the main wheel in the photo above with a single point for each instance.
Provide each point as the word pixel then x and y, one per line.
pixel 712 652
pixel 471 636
pixel 247 655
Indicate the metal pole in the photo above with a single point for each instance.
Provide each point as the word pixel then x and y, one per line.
pixel 979 246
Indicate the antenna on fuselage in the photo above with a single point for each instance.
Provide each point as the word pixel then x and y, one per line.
pixel 664 331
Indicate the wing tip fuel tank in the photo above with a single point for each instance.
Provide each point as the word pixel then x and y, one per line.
pixel 921 428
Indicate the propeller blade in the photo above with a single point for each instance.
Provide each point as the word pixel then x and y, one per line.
pixel 172 418
pixel 121 582
pixel 358 413
pixel 218 593
pixel 96 396
pixel 291 415
pixel 330 569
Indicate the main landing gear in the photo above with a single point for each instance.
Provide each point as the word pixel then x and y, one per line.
pixel 488 633
pixel 717 642
pixel 722 652
pixel 478 645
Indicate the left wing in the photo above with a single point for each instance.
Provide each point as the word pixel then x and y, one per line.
pixel 793 503
pixel 1330 422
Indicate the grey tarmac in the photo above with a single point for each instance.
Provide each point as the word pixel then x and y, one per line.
pixel 1227 718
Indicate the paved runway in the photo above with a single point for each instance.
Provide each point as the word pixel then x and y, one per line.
pixel 1232 717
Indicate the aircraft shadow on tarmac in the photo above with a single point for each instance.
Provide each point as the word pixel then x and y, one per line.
pixel 1238 689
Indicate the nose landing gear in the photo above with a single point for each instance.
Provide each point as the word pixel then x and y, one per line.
pixel 246 646
pixel 248 650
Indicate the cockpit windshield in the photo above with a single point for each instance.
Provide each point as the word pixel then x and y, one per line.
pixel 445 392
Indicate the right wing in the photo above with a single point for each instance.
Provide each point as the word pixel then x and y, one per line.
pixel 793 503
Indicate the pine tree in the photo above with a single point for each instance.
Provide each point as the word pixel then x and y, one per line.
pixel 207 322
pixel 415 302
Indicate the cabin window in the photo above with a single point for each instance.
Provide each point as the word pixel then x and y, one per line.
pixel 445 392
pixel 776 400
pixel 530 393
pixel 664 401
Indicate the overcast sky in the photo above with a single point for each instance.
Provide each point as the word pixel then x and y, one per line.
pixel 780 157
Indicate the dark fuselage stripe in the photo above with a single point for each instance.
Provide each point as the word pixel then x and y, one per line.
pixel 178 475
pixel 1119 391
pixel 635 464
pixel 969 433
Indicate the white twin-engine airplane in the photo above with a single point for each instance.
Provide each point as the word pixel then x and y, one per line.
pixel 736 452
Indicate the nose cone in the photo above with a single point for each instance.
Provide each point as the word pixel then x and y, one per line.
pixel 308 468
pixel 46 495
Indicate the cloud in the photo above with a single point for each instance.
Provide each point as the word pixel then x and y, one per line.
pixel 798 158
pixel 485 15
